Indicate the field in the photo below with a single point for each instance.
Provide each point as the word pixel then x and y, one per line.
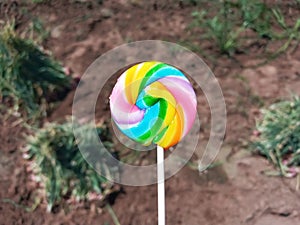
pixel 255 66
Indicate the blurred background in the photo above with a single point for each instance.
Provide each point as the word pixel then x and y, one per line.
pixel 252 47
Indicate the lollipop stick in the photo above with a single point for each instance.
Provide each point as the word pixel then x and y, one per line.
pixel 161 185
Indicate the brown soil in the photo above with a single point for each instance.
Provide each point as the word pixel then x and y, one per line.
pixel 232 194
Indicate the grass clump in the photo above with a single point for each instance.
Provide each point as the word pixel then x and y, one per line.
pixel 225 21
pixel 220 27
pixel 279 136
pixel 59 166
pixel 28 76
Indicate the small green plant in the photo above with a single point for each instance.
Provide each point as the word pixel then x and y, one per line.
pixel 225 21
pixel 28 76
pixel 289 33
pixel 221 28
pixel 58 165
pixel 278 135
pixel 255 15
pixel 36 31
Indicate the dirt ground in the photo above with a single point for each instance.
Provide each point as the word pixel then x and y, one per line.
pixel 235 193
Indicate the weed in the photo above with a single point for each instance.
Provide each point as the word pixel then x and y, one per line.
pixel 256 16
pixel 27 75
pixel 225 21
pixel 112 214
pixel 220 28
pixel 279 135
pixel 36 31
pixel 58 165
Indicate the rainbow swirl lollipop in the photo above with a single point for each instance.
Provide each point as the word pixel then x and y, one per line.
pixel 153 102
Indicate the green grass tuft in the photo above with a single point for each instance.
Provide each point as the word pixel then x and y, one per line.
pixel 279 135
pixel 28 76
pixel 224 23
pixel 59 166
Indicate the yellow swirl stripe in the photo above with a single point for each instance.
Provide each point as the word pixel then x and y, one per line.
pixel 134 78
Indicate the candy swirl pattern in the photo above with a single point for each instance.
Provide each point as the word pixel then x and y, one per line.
pixel 153 102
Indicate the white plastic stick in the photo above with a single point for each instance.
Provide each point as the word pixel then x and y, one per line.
pixel 161 185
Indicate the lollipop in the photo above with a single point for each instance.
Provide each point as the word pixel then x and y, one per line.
pixel 153 102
